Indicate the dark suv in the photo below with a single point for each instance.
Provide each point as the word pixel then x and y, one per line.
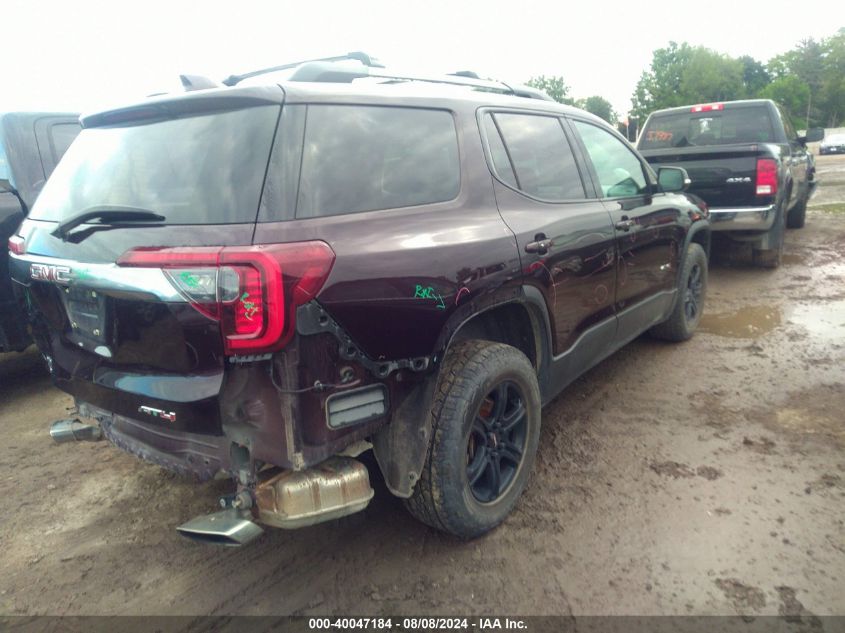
pixel 31 145
pixel 268 281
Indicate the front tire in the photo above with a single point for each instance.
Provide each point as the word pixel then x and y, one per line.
pixel 485 431
pixel 796 218
pixel 682 323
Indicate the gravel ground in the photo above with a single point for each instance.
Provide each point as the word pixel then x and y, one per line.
pixel 702 478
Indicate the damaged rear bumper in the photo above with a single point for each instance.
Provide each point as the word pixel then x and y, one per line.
pixel 201 456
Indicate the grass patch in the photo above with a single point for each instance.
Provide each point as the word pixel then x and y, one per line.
pixel 830 207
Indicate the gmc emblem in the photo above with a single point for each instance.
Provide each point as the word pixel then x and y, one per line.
pixel 48 272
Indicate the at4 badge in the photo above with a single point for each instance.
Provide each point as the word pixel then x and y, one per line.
pixel 170 416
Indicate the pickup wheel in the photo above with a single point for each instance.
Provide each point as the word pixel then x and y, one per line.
pixel 485 430
pixel 797 216
pixel 681 325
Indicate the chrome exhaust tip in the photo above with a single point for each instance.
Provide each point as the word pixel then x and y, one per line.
pixel 74 430
pixel 231 528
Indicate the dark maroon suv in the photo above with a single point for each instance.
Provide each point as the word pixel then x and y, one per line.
pixel 267 281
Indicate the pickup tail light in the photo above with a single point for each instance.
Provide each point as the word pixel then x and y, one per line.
pixel 17 245
pixel 252 291
pixel 767 177
pixel 708 107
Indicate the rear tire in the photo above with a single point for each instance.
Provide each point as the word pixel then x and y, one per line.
pixel 485 431
pixel 689 305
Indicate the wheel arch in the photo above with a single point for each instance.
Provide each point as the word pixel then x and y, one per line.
pixel 519 319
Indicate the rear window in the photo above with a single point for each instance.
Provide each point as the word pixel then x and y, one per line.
pixel 365 158
pixel 720 127
pixel 206 169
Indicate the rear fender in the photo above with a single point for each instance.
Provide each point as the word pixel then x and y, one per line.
pixel 402 445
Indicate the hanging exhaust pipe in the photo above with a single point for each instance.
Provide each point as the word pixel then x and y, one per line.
pixel 288 499
pixel 230 527
pixel 73 430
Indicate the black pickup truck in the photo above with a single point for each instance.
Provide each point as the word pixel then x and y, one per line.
pixel 747 162
pixel 31 144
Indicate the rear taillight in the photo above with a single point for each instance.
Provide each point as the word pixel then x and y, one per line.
pixel 17 245
pixel 767 177
pixel 253 291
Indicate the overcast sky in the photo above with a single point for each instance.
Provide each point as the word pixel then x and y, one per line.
pixel 86 54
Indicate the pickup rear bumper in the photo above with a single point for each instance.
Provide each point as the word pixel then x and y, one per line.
pixel 742 218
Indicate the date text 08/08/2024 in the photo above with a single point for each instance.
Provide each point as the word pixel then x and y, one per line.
pixel 416 624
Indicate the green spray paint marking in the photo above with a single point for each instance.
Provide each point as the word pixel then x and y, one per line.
pixel 249 306
pixel 428 293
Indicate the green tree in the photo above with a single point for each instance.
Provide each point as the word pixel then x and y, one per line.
pixel 831 97
pixel 754 76
pixel 791 93
pixel 660 86
pixel 711 76
pixel 803 65
pixel 599 106
pixel 553 86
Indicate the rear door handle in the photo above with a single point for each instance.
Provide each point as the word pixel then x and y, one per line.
pixel 539 246
pixel 625 224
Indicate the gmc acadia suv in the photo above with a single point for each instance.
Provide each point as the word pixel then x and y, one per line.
pixel 269 280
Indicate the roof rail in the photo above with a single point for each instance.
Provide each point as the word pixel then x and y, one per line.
pixel 325 69
pixel 365 59
pixel 320 71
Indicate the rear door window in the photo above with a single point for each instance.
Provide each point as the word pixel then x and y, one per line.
pixel 539 152
pixel 714 127
pixel 367 158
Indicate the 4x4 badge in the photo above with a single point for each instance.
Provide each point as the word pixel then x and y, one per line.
pixel 50 272
pixel 158 413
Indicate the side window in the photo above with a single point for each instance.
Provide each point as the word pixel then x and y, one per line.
pixel 542 159
pixel 619 171
pixel 501 162
pixel 5 170
pixel 365 158
pixel 62 135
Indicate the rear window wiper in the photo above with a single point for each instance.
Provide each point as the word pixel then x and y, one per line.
pixel 107 214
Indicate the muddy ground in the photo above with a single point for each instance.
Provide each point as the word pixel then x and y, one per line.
pixel 702 478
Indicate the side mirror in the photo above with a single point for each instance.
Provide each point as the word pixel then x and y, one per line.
pixel 814 134
pixel 5 185
pixel 673 179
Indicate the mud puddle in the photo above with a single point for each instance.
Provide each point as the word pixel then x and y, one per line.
pixel 825 320
pixel 747 322
pixel 822 320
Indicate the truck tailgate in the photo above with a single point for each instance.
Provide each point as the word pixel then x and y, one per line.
pixel 724 176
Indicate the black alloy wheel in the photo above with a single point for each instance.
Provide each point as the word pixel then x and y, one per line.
pixel 496 442
pixel 694 293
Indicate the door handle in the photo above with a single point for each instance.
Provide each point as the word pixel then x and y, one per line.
pixel 540 245
pixel 625 224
